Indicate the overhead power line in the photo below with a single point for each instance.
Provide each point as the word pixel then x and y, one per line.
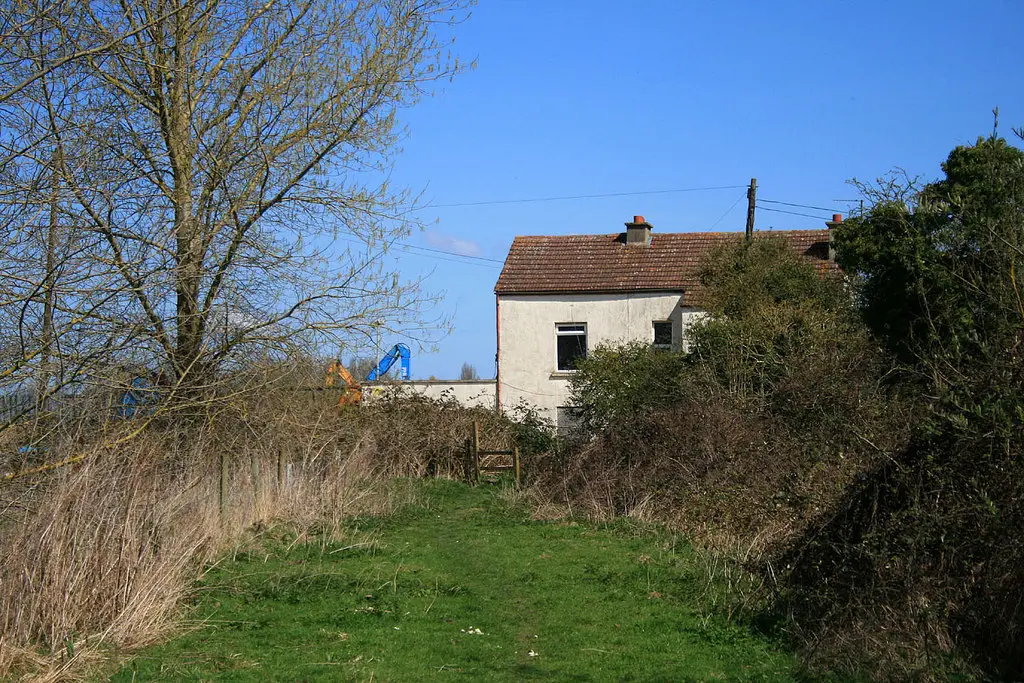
pixel 801 206
pixel 456 257
pixel 579 196
pixel 727 212
pixel 791 213
pixel 450 253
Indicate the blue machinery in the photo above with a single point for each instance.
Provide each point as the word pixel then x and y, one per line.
pixel 139 399
pixel 353 392
pixel 397 352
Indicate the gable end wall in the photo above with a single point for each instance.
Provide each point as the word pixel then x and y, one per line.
pixel 527 348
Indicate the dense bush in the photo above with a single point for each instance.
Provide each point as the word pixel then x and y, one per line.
pixel 732 440
pixel 927 546
pixel 535 435
pixel 856 439
pixel 620 386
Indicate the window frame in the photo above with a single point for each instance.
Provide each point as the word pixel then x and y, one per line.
pixel 562 330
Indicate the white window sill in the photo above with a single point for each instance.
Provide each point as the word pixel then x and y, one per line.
pixel 562 374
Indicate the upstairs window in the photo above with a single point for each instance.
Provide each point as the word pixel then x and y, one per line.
pixel 571 342
pixel 663 335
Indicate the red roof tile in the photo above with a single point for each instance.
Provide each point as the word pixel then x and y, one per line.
pixel 604 263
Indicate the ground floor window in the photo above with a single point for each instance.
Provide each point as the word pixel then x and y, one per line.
pixel 571 342
pixel 567 420
pixel 663 334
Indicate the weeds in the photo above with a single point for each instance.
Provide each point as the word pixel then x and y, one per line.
pixel 100 555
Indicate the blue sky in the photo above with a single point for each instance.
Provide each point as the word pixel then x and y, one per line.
pixel 577 98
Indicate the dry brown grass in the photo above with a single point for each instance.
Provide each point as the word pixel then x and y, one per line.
pixel 103 556
pixel 728 479
pixel 97 557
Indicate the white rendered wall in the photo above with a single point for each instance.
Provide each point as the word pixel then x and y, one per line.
pixel 527 349
pixel 471 393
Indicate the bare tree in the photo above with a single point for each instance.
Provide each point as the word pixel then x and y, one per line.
pixel 178 177
pixel 468 372
pixel 361 366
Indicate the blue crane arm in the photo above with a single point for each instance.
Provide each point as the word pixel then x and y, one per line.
pixel 398 351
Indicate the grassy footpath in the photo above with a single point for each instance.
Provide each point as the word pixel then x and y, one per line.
pixel 462 588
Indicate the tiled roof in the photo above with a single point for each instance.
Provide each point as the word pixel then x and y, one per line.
pixel 604 263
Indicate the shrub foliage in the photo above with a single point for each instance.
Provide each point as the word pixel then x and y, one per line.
pixel 927 546
pixel 731 439
pixel 854 438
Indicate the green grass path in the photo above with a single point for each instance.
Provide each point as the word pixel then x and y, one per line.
pixel 462 588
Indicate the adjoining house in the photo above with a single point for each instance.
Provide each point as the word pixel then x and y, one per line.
pixel 560 296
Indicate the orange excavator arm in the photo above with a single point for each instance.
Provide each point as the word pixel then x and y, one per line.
pixel 353 393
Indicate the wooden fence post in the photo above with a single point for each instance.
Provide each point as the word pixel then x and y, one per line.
pixel 515 463
pixel 476 451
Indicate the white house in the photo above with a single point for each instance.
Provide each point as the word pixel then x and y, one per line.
pixel 560 296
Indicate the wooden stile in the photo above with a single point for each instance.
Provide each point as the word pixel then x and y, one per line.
pixel 475 454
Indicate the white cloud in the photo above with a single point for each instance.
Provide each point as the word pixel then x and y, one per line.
pixel 439 240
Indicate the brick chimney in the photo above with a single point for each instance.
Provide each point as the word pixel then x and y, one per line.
pixel 837 220
pixel 638 233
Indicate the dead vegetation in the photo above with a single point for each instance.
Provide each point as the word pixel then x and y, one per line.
pixel 98 556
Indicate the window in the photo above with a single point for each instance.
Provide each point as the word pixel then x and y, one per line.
pixel 567 420
pixel 571 340
pixel 663 335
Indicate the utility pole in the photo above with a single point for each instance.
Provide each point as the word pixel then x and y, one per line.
pixel 751 201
